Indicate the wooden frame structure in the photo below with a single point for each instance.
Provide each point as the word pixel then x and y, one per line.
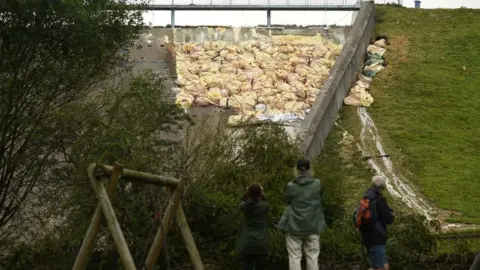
pixel 174 187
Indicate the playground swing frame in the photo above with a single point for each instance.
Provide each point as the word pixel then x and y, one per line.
pixel 174 187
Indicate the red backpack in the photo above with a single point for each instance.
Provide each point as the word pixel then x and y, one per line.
pixel 365 215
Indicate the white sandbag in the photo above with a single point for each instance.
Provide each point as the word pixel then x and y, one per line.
pixel 382 43
pixel 372 49
pixel 352 101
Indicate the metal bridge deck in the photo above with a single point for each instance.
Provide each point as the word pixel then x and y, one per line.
pixel 253 7
pixel 272 5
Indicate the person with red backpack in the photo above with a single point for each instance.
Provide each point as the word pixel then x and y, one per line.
pixel 371 218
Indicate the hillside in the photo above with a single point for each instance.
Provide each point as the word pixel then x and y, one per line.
pixel 427 106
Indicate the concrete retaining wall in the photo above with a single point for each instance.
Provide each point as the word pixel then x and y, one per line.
pixel 321 117
pixel 158 55
pixel 232 34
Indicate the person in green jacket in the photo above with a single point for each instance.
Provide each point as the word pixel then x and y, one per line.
pixel 303 219
pixel 252 242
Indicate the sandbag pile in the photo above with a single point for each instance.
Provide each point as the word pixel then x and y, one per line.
pixel 258 79
pixel 359 95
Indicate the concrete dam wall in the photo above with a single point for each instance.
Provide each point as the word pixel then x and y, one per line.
pixel 156 50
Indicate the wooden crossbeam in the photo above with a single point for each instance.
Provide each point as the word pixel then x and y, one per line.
pixel 136 176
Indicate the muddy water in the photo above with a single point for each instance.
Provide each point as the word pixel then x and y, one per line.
pixel 371 145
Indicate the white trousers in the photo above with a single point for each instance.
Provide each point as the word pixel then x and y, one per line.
pixel 311 248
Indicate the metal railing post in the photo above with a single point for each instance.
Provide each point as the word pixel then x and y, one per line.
pixel 269 18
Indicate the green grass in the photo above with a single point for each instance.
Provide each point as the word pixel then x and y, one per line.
pixel 427 102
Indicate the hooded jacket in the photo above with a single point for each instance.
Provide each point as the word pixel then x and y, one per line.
pixel 253 234
pixel 303 215
pixel 378 234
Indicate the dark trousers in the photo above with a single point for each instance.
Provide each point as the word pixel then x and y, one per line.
pixel 257 262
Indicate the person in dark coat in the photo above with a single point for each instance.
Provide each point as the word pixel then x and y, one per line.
pixel 375 238
pixel 252 242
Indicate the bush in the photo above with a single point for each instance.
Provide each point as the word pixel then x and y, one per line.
pixel 257 155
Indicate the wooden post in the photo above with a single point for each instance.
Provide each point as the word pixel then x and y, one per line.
pixel 188 239
pixel 136 176
pixel 156 247
pixel 88 241
pixel 112 221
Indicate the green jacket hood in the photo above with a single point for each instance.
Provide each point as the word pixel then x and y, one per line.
pixel 303 179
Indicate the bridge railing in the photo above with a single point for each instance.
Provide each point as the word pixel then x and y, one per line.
pixel 257 2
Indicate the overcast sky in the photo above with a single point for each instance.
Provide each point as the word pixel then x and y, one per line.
pixel 251 18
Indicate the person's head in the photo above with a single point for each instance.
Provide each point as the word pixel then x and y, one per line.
pixel 378 182
pixel 303 165
pixel 255 192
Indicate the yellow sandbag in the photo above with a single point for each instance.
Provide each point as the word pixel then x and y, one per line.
pixel 283 87
pixel 302 94
pixel 302 70
pixel 297 86
pixel 184 100
pixel 242 77
pixel 214 94
pixel 251 95
pixel 196 55
pixel 218 45
pixel 246 86
pixel 366 99
pixel 293 77
pixel 212 54
pixel 318 64
pixel 315 81
pixel 180 82
pixel 203 102
pixel 193 89
pixel 311 91
pixel 281 75
pixel 231 57
pixel 253 73
pixel 290 96
pixel 311 100
pixel 328 55
pixel 223 53
pixel 297 61
pixel 305 105
pixel 319 52
pixel 227 68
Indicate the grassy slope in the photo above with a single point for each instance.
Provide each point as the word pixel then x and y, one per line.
pixel 427 106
